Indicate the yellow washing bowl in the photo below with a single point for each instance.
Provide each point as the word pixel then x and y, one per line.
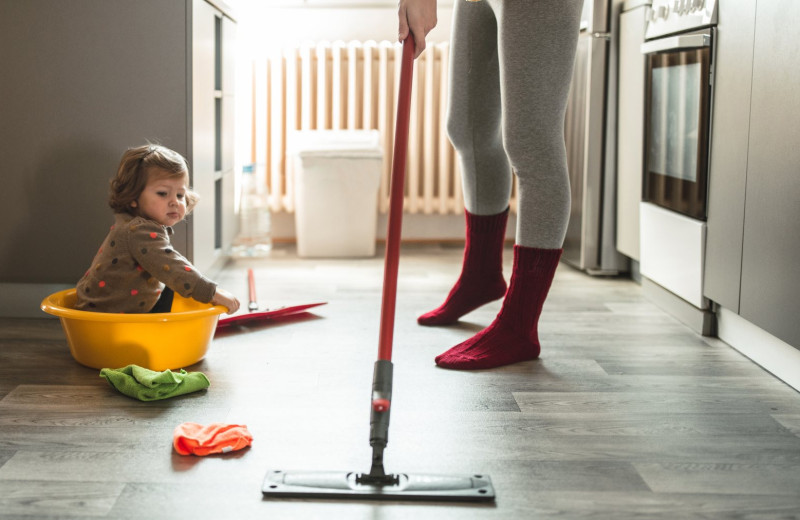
pixel 156 341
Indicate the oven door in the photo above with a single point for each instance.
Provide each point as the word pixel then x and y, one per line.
pixel 677 118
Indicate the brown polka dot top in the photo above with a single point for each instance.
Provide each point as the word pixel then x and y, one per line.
pixel 134 263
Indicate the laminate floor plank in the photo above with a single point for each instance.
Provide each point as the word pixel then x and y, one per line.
pixel 628 414
pixel 791 422
pixel 122 417
pixel 616 403
pixel 734 479
pixel 31 329
pixel 547 381
pixel 156 464
pixel 768 449
pixel 49 362
pixel 103 439
pixel 666 506
pixel 596 423
pixel 682 367
pixel 101 397
pixel 58 499
pixel 5 455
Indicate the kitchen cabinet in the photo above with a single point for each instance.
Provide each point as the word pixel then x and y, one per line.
pixel 754 207
pixel 771 250
pixel 730 129
pixel 96 77
pixel 630 126
pixel 213 108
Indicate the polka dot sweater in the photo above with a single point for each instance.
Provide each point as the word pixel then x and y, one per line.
pixel 132 266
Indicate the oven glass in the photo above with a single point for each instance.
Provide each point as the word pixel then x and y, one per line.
pixel 676 117
pixel 677 131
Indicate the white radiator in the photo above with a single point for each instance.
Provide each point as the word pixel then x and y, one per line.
pixel 354 86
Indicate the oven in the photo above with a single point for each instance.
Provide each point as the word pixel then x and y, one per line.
pixel 679 56
pixel 677 121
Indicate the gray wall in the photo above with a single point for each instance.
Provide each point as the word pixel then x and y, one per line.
pixel 81 81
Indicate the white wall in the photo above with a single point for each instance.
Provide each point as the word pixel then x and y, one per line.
pixel 267 26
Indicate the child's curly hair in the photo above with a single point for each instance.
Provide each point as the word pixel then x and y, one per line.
pixel 134 171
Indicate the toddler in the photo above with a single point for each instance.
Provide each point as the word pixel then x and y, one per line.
pixel 136 269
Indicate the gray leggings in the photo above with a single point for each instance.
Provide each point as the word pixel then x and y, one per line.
pixel 511 63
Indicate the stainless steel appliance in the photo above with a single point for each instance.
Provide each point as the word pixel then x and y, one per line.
pixel 679 49
pixel 591 147
pixel 678 116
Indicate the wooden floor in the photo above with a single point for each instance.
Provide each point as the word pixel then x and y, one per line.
pixel 628 414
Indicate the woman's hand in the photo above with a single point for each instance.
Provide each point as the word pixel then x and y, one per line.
pixel 226 299
pixel 417 17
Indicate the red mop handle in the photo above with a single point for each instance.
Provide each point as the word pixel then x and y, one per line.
pixel 251 282
pixel 396 202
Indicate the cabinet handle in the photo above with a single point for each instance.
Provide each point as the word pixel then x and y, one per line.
pixel 686 41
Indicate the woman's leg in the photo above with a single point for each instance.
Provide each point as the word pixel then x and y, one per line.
pixel 537 52
pixel 474 109
pixel 537 42
pixel 474 124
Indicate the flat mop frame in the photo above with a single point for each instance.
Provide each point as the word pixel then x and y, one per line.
pixel 377 484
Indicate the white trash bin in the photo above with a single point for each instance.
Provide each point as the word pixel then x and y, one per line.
pixel 337 174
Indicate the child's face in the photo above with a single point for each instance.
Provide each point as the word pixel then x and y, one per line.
pixel 163 199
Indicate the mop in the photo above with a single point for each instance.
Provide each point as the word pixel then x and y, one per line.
pixel 377 483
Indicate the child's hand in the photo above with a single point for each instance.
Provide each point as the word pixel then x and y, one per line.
pixel 226 299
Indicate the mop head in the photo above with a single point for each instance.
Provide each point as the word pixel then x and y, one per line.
pixel 347 485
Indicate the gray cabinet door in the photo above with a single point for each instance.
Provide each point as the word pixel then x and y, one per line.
pixel 213 108
pixel 203 160
pixel 771 254
pixel 730 127
pixel 630 130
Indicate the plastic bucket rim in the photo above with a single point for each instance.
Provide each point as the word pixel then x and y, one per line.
pixel 49 306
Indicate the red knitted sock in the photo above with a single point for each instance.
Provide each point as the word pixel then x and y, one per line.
pixel 513 336
pixel 481 279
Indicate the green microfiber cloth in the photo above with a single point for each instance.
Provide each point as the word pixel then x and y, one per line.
pixel 148 385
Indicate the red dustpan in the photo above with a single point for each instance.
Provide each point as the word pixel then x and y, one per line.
pixel 255 317
pixel 377 484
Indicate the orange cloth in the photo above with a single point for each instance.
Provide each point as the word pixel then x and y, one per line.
pixel 196 439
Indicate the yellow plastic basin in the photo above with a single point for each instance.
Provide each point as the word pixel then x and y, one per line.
pixel 156 341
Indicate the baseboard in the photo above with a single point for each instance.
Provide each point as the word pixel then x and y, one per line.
pixel 701 321
pixel 23 300
pixel 772 354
